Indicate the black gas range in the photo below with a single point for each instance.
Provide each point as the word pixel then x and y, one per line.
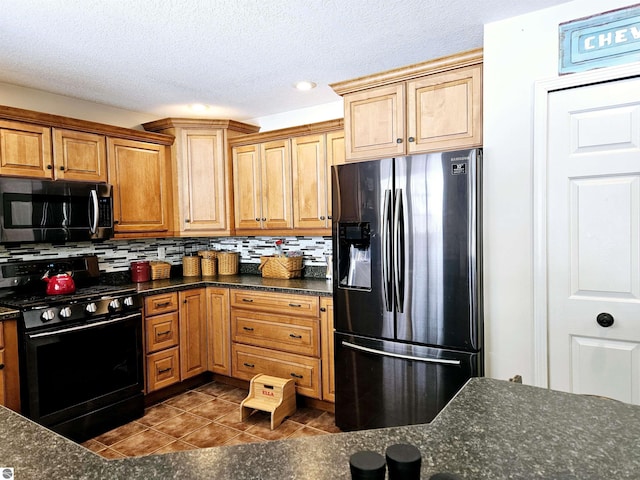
pixel 81 370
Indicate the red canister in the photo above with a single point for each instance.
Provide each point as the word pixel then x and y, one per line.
pixel 140 272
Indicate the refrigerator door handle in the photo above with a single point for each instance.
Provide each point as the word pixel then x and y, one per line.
pixel 386 252
pixel 398 251
pixel 399 355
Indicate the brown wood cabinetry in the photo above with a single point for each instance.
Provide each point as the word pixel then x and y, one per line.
pixel 326 333
pixel 432 106
pixel 277 334
pixel 282 180
pixel 79 156
pixel 9 368
pixel 25 150
pixel 193 332
pixel 142 199
pixel 162 339
pixel 218 331
pixel 201 166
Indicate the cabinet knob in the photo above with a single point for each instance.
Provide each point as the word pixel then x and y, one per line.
pixel 115 222
pixel 398 140
pixel 61 167
pixel 322 309
pixel 264 219
pixel 186 220
pixel 1 366
pixel 257 219
pixel 411 139
pixel 330 217
pixel 49 167
pixel 321 217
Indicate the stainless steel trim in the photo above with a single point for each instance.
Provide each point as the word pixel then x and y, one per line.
pixel 93 196
pixel 386 283
pixel 84 327
pixel 398 266
pixel 399 355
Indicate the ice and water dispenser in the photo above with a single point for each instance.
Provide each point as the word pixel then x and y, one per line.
pixel 354 255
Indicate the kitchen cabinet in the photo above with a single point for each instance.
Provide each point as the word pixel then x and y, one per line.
pixel 193 332
pixel 277 334
pixel 142 198
pixel 432 106
pixel 25 150
pixel 218 331
pixel 201 168
pixel 9 368
pixel 326 333
pixel 162 341
pixel 79 156
pixel 282 179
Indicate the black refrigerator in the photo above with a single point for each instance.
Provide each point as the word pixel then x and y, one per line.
pixel 406 285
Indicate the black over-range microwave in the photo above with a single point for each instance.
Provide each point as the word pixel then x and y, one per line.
pixel 54 211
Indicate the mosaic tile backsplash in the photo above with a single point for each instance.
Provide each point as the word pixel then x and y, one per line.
pixel 116 255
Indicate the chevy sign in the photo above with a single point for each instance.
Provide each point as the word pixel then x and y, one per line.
pixel 611 38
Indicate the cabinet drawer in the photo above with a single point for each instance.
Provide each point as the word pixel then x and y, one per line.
pixel 249 361
pixel 301 305
pixel 295 335
pixel 162 303
pixel 163 369
pixel 161 331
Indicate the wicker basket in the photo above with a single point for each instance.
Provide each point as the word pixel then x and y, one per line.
pixel 191 266
pixel 207 253
pixel 209 266
pixel 160 270
pixel 281 267
pixel 227 263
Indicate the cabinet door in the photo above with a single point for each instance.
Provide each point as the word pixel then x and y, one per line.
pixel 444 110
pixel 193 332
pixel 218 331
pixel 79 156
pixel 141 196
pixel 309 166
pixel 374 123
pixel 275 159
pixel 9 376
pixel 202 169
pixel 326 343
pixel 163 369
pixel 335 156
pixel 25 150
pixel 246 187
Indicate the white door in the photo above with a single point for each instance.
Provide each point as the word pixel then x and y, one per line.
pixel 593 225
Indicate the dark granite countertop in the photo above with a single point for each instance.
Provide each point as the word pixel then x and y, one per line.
pixel 491 430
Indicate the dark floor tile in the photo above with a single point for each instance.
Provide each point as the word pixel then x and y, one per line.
pixel 262 429
pixel 215 389
pixel 326 422
pixel 158 413
pixel 181 425
pixel 110 454
pixel 177 446
pixel 214 409
pixel 307 432
pixel 212 435
pixel 305 415
pixel 188 400
pixel 237 395
pixel 233 420
pixel 243 438
pixel 120 433
pixel 143 443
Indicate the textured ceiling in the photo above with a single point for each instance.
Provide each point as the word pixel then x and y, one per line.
pixel 239 56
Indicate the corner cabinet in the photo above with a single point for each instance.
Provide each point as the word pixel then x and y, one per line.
pixel 282 179
pixel 201 167
pixel 432 106
pixel 141 179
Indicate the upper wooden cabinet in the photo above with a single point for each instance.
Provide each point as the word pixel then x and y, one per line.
pixel 25 150
pixel 142 197
pixel 201 168
pixel 432 106
pixel 282 179
pixel 79 155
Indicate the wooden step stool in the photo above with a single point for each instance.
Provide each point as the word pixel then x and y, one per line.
pixel 270 394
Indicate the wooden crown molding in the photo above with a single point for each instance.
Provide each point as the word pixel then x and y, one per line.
pixel 297 131
pixel 203 123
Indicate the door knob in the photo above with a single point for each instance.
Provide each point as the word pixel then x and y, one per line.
pixel 604 319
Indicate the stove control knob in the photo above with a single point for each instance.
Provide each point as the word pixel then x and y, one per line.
pixel 91 308
pixel 114 305
pixel 128 302
pixel 65 312
pixel 48 315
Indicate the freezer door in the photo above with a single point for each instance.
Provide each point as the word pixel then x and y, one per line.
pixel 436 249
pixel 384 384
pixel 361 207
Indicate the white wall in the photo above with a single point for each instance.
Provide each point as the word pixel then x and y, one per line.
pixel 517 53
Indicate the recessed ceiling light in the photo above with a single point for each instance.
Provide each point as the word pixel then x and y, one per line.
pixel 199 107
pixel 305 85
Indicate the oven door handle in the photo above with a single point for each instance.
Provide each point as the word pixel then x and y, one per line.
pixel 84 327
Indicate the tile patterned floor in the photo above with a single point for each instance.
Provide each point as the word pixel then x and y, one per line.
pixel 207 416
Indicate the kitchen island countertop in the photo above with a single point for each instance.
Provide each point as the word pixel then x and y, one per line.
pixel 492 429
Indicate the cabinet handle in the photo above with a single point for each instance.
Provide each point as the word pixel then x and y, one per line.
pixel 164 370
pixel 330 217
pixel 162 305
pixel 293 335
pixel 398 140
pixel 1 366
pixel 411 139
pixel 160 334
pixel 322 309
pixel 116 222
pixel 295 375
pixel 296 305
pixel 248 329
pixel 250 365
pixel 248 300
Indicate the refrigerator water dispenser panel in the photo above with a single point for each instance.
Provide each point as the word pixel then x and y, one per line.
pixel 354 255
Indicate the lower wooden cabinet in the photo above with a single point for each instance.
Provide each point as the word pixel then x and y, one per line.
pixel 326 334
pixel 249 361
pixel 9 367
pixel 163 369
pixel 218 331
pixel 193 332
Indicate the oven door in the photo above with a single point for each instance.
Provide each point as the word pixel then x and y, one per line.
pixel 72 373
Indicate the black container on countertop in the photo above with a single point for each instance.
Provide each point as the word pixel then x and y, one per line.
pixel 367 465
pixel 404 462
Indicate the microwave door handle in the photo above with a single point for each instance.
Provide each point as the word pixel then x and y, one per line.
pixel 93 197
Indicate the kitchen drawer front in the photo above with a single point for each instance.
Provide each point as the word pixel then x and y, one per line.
pixel 294 335
pixel 162 303
pixel 161 331
pixel 249 361
pixel 163 369
pixel 300 305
